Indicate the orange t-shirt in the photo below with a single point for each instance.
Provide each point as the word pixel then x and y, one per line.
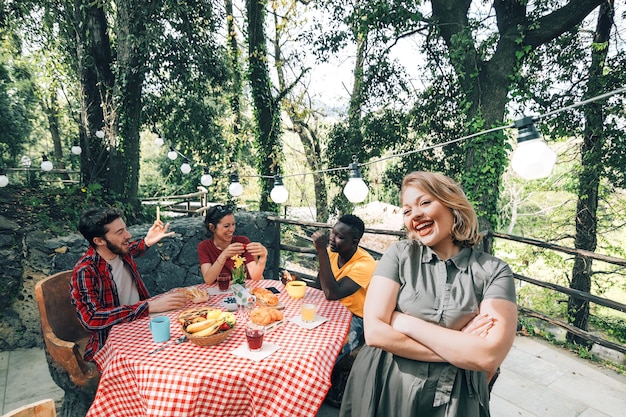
pixel 360 269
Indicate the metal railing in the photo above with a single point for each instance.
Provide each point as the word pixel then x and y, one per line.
pixel 187 203
pixel 612 304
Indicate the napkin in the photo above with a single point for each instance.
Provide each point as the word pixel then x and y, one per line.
pixel 216 291
pixel 297 320
pixel 266 350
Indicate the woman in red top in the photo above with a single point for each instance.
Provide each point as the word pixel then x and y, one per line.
pixel 215 253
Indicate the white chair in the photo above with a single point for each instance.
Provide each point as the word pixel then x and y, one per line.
pixel 43 408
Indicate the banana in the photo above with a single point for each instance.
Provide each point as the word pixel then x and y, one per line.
pixel 201 325
pixel 210 330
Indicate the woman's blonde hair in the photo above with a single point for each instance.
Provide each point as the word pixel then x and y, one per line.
pixel 449 193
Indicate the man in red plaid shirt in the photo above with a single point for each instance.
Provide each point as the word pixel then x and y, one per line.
pixel 106 287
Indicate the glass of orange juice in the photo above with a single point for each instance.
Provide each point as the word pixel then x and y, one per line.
pixel 307 312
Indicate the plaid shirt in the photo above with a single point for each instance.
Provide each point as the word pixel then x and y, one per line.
pixel 94 294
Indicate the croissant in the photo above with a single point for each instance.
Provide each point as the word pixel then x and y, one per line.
pixel 265 315
pixel 265 296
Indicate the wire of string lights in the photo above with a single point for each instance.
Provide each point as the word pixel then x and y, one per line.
pixel 532 158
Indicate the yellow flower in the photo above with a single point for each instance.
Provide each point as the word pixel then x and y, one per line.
pixel 239 260
pixel 239 269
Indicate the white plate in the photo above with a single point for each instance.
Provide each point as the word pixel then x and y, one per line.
pixel 229 303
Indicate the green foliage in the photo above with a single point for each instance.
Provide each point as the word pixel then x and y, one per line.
pixel 611 326
pixel 15 108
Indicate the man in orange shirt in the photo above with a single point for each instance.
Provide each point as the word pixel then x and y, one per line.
pixel 345 271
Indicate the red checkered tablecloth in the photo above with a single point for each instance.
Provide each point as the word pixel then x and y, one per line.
pixel 188 380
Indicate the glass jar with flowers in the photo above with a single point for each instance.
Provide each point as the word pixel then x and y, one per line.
pixel 239 270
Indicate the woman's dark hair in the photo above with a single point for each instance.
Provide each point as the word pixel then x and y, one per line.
pixel 214 215
pixel 94 221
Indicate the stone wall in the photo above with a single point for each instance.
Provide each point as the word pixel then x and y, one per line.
pixel 28 255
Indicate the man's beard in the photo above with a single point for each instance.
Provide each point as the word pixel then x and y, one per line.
pixel 118 250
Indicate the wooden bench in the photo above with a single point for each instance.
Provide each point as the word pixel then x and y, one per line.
pixel 65 339
pixel 43 408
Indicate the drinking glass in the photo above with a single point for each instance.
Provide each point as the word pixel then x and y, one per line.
pixel 254 336
pixel 223 281
pixel 307 312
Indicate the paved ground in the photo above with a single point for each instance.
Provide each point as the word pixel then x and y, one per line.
pixel 537 380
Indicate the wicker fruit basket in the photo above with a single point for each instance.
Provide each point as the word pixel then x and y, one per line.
pixel 211 340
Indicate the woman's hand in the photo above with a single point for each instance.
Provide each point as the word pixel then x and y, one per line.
pixel 256 249
pixel 231 250
pixel 256 268
pixel 479 325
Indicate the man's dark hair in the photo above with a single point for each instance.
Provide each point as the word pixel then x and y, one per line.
pixel 356 224
pixel 94 221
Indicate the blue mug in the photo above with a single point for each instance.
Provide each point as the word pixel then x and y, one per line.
pixel 160 328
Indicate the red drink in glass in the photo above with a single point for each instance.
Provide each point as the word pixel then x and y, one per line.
pixel 254 336
pixel 223 282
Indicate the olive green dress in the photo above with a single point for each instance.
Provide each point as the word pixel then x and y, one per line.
pixel 444 292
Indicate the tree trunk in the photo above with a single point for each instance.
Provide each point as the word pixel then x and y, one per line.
pixel 266 109
pixel 132 24
pixel 93 58
pixel 51 110
pixel 233 48
pixel 297 113
pixel 589 179
pixel 485 84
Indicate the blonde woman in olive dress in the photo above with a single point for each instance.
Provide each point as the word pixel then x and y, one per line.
pixel 439 316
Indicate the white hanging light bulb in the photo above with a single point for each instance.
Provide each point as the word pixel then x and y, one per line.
pixel 279 193
pixel 26 162
pixel 4 180
pixel 100 133
pixel 46 165
pixel 355 190
pixel 172 154
pixel 206 178
pixel 532 158
pixel 158 141
pixel 235 189
pixel 76 149
pixel 185 168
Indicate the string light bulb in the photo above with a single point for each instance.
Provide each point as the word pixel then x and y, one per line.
pixel 158 141
pixel 26 162
pixel 46 165
pixel 355 190
pixel 185 168
pixel 533 158
pixel 235 189
pixel 172 154
pixel 4 180
pixel 206 178
pixel 100 133
pixel 76 149
pixel 279 193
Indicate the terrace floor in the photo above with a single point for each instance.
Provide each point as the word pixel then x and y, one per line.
pixel 537 380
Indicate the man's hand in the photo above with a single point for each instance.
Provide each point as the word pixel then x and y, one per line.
pixel 320 240
pixel 171 300
pixel 157 232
